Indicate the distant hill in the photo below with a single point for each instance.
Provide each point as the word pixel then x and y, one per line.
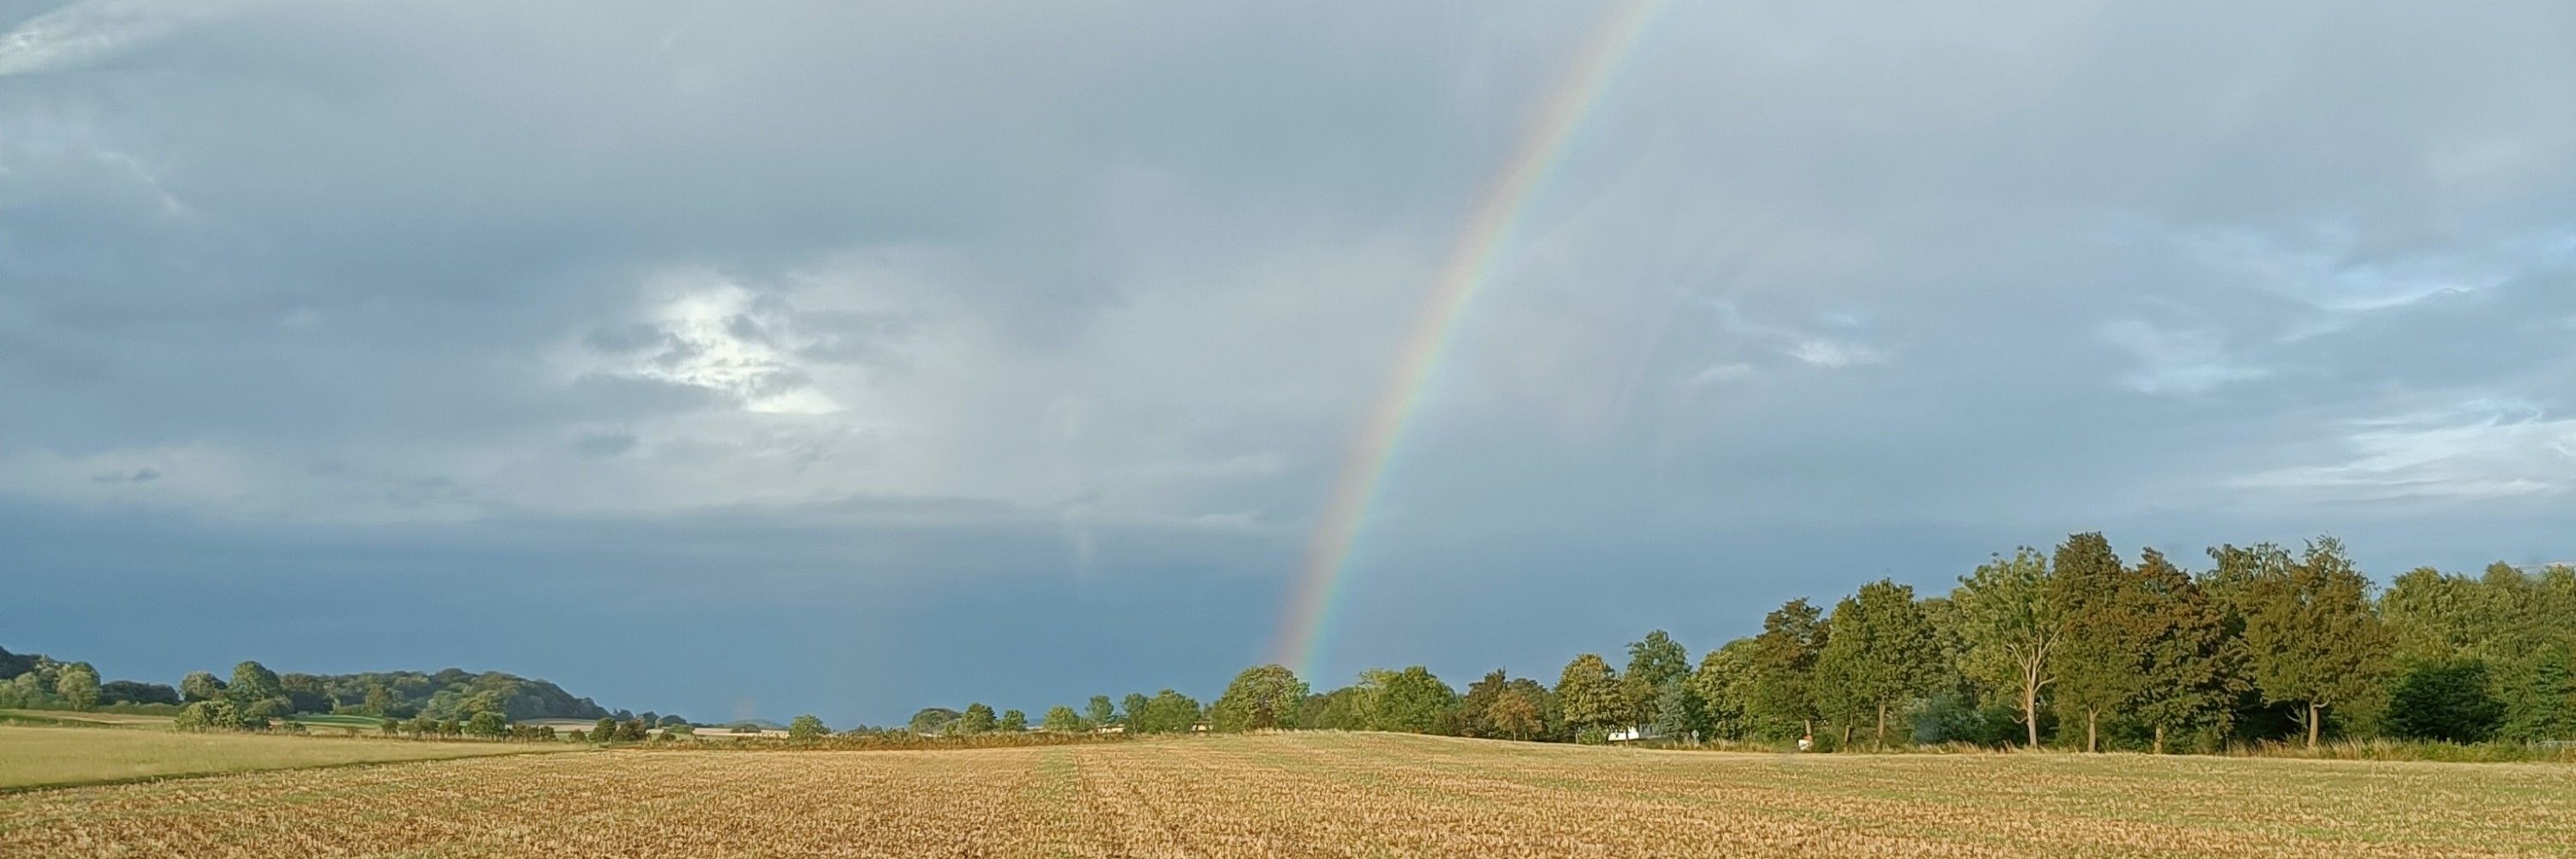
pixel 447 694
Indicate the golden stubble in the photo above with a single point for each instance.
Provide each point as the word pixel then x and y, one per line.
pixel 1317 794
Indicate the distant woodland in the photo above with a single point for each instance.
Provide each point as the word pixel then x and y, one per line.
pixel 2075 648
pixel 252 694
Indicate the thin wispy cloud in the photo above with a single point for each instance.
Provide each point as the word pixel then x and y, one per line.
pixel 89 30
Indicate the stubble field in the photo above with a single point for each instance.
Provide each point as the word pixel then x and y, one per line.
pixel 1315 795
pixel 38 757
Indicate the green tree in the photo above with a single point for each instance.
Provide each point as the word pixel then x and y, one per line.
pixel 2107 612
pixel 1014 722
pixel 1879 655
pixel 810 727
pixel 1168 712
pixel 1501 707
pixel 1338 710
pixel 1779 692
pixel 200 686
pixel 2518 625
pixel 78 685
pixel 1262 697
pixel 30 687
pixel 1062 720
pixel 1677 711
pixel 257 693
pixel 605 731
pixel 1589 693
pixel 1720 684
pixel 1479 698
pixel 2186 658
pixel 1654 662
pixel 1526 711
pixel 1129 707
pixel 978 719
pixel 2011 628
pixel 487 724
pixel 2445 701
pixel 933 721
pixel 1409 701
pixel 1099 712
pixel 2311 637
pixel 2542 705
pixel 207 715
pixel 380 701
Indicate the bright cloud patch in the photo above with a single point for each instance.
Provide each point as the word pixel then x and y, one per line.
pixel 2480 450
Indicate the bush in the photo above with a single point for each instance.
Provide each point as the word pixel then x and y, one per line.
pixel 208 716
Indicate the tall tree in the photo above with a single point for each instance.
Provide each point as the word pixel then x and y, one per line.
pixel 810 727
pixel 380 700
pixel 1014 722
pixel 2011 628
pixel 1100 712
pixel 256 692
pixel 1260 698
pixel 1168 712
pixel 200 686
pixel 1879 655
pixel 978 719
pixel 1130 707
pixel 1780 687
pixel 1653 663
pixel 1720 684
pixel 2187 662
pixel 2106 611
pixel 1502 707
pixel 1589 692
pixel 2311 637
pixel 1062 720
pixel 1409 701
pixel 1677 712
pixel 1521 713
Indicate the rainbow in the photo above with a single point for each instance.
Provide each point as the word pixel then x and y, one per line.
pixel 1471 265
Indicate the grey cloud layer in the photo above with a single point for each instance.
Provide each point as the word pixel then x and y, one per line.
pixel 1112 282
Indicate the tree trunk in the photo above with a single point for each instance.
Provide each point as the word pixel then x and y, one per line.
pixel 2030 712
pixel 2160 739
pixel 1846 744
pixel 2316 713
pixel 2092 730
pixel 1882 725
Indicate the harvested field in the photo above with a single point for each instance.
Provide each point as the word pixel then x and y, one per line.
pixel 35 757
pixel 1316 795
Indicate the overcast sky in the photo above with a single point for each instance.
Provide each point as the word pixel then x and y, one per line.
pixel 757 358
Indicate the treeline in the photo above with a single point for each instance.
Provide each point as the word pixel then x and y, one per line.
pixel 253 694
pixel 447 694
pixel 2076 648
pixel 1165 712
pixel 37 681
